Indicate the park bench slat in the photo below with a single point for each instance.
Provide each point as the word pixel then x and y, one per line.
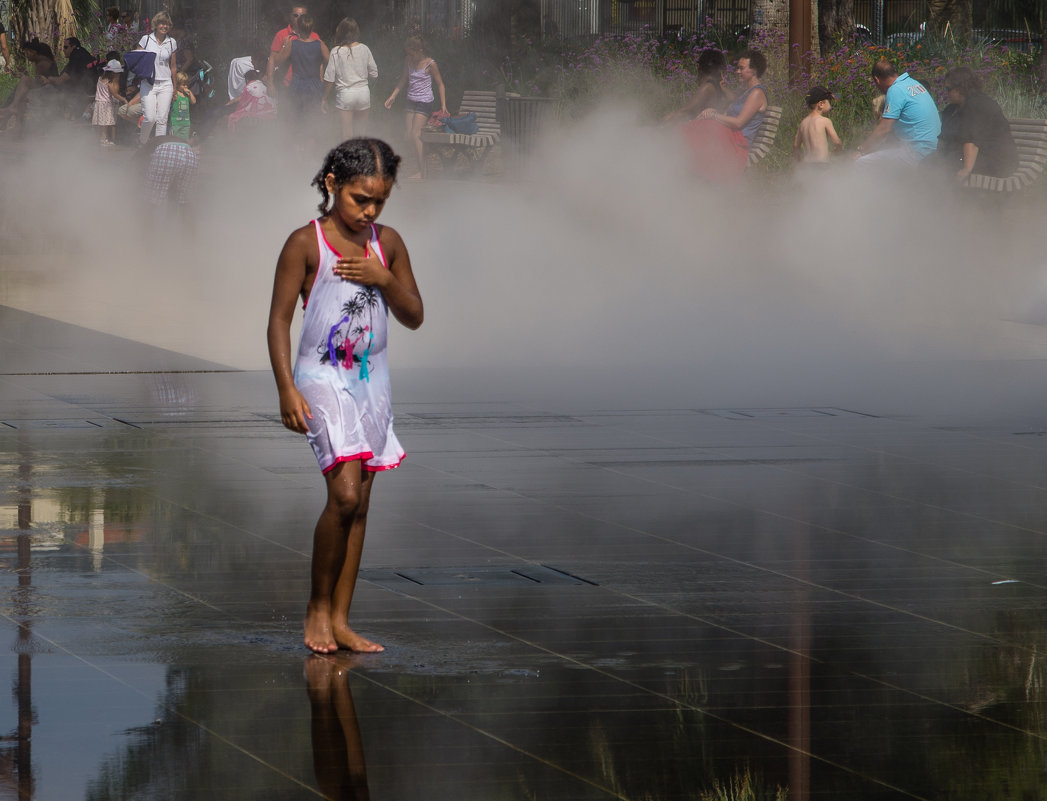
pixel 765 135
pixel 1030 137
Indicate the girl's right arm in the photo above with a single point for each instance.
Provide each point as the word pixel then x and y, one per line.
pixel 399 86
pixel 287 288
pixel 434 73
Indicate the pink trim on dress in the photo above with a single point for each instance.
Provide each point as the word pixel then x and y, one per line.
pixel 377 468
pixel 356 457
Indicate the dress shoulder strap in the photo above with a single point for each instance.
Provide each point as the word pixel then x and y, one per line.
pixel 376 246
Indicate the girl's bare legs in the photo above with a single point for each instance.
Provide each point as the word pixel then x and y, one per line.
pixel 347 123
pixel 360 121
pixel 337 544
pixel 415 123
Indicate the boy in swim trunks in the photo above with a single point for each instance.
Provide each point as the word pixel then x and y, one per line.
pixel 349 272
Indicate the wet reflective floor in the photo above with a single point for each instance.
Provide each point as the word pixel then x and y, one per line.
pixel 581 597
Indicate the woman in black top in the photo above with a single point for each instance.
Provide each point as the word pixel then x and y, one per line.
pixel 979 127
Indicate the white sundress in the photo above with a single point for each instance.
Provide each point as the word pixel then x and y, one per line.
pixel 342 368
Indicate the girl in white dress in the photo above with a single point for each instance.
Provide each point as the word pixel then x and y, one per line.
pixel 348 271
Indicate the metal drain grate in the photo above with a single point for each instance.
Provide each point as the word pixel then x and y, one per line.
pixel 487 575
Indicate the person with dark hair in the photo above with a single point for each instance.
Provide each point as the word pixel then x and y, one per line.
pixel 308 56
pixel 981 133
pixel 75 78
pixel 816 132
pixel 348 71
pixel 297 11
pixel 42 59
pixel 350 272
pixel 113 28
pixel 257 61
pixel 254 103
pixel 420 74
pixel 719 142
pixel 909 113
pixel 710 92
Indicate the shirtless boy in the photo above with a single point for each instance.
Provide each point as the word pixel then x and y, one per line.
pixel 811 145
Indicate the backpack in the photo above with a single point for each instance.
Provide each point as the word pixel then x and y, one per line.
pixel 463 124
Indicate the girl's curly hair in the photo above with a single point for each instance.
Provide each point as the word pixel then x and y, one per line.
pixel 355 158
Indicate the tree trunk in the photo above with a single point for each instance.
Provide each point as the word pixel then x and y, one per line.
pixel 951 19
pixel 771 15
pixel 48 20
pixel 835 21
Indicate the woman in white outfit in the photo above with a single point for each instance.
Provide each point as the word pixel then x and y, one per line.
pixel 348 70
pixel 156 94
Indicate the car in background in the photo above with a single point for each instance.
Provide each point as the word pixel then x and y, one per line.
pixel 1013 39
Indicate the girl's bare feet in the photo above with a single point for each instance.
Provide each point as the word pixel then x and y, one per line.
pixel 318 635
pixel 351 641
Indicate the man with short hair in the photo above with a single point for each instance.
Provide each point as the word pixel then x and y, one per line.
pixel 298 10
pixel 909 112
pixel 74 74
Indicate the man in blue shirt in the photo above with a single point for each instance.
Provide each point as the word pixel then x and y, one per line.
pixel 909 113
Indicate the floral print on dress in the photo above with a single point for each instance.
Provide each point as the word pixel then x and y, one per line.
pixel 349 341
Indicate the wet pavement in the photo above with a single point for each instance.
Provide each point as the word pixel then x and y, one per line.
pixel 583 596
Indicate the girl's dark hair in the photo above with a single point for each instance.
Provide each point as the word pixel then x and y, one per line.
pixel 251 75
pixel 348 31
pixel 305 25
pixel 39 48
pixel 355 158
pixel 711 60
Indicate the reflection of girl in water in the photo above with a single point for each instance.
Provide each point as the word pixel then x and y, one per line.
pixel 338 751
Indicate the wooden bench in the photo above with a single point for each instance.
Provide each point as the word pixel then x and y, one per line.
pixel 448 146
pixel 763 139
pixel 1031 138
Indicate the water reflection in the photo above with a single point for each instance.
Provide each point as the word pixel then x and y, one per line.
pixel 18 769
pixel 338 753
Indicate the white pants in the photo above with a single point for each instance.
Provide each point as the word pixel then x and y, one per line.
pixel 156 105
pixel 899 155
